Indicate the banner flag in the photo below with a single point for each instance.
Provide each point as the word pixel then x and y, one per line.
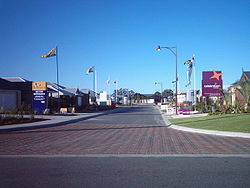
pixel 108 81
pixel 91 69
pixel 50 54
pixel 189 64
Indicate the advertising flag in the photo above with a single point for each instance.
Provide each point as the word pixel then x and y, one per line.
pixel 108 81
pixel 50 54
pixel 91 69
pixel 189 64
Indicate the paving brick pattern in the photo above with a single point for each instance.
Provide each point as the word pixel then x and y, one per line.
pixel 137 130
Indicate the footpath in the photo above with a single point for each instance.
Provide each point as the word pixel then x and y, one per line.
pixel 54 120
pixel 202 131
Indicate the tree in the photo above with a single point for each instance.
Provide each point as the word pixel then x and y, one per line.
pixel 124 92
pixel 167 93
pixel 157 96
pixel 157 93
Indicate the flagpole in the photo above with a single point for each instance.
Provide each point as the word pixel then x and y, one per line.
pixel 57 79
pixel 116 82
pixel 96 83
pixel 194 87
pixel 109 87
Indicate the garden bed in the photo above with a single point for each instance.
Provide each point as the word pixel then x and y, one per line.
pixel 18 120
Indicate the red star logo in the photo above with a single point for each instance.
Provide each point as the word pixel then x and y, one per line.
pixel 216 75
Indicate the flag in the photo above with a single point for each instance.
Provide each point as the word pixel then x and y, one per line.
pixel 190 60
pixel 193 58
pixel 50 54
pixel 189 64
pixel 91 69
pixel 108 81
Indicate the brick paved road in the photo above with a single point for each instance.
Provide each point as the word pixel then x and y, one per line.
pixel 134 130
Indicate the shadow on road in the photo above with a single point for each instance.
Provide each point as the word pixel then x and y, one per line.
pixel 83 129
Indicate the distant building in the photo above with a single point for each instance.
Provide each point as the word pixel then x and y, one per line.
pixel 187 96
pixel 147 99
pixel 16 92
pixel 69 97
pixel 92 95
pixel 79 99
pixel 103 99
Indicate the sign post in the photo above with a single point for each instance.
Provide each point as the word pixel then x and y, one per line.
pixel 39 96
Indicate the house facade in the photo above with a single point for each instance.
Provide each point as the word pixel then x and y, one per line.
pixel 15 92
pixel 237 97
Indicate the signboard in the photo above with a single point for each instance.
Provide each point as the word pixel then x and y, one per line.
pixel 181 98
pixel 170 110
pixel 39 90
pixel 39 86
pixel 212 83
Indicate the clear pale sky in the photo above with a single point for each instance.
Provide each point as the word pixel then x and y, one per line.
pixel 120 38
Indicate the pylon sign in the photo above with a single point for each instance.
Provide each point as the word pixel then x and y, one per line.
pixel 212 83
pixel 39 92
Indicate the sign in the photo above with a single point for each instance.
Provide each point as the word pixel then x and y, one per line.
pixel 212 83
pixel 39 90
pixel 39 86
pixel 63 110
pixel 170 110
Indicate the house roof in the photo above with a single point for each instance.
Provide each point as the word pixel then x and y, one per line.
pixel 148 95
pixel 246 75
pixel 88 91
pixel 54 88
pixel 75 91
pixel 15 79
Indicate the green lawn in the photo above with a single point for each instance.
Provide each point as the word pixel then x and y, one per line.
pixel 227 122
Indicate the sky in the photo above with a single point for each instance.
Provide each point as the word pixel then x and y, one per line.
pixel 120 39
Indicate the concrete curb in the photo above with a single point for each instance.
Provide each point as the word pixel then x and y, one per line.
pixel 211 132
pixel 54 122
pixel 202 131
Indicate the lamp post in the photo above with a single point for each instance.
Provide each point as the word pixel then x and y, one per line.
pixel 176 76
pixel 161 90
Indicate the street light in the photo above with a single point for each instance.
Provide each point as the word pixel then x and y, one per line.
pixel 176 76
pixel 161 90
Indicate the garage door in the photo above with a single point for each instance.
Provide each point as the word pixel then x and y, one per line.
pixel 8 100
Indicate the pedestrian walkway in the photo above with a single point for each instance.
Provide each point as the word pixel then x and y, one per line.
pixel 53 121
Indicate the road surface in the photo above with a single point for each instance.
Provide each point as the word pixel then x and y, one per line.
pixel 130 148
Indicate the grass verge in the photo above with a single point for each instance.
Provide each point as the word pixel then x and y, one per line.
pixel 227 122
